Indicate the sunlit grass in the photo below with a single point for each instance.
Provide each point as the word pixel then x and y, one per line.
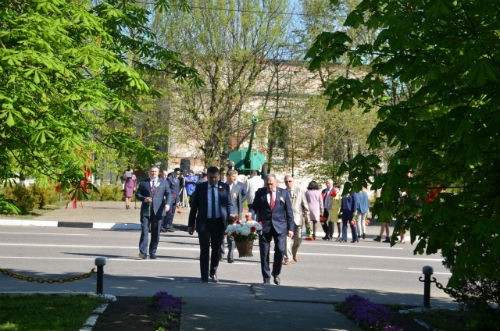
pixel 37 312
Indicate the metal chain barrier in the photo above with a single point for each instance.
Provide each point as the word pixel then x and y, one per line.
pixel 438 284
pixel 47 280
pixel 427 280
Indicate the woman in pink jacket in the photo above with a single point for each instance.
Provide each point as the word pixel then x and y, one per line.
pixel 315 202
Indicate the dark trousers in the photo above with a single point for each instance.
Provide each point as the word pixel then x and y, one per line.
pixel 354 233
pixel 212 238
pixel 168 221
pixel 230 248
pixel 324 224
pixel 250 208
pixel 279 252
pixel 147 222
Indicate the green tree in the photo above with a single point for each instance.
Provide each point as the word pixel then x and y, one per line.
pixel 229 43
pixel 433 79
pixel 71 74
pixel 332 138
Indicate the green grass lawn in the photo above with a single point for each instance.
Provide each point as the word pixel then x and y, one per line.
pixel 37 312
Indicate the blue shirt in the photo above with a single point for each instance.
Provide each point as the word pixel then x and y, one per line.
pixel 362 202
pixel 209 201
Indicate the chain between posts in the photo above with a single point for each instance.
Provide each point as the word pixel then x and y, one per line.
pixel 47 280
pixel 434 280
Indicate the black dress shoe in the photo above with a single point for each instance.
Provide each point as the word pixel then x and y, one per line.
pixel 152 257
pixel 277 280
pixel 230 261
pixel 214 278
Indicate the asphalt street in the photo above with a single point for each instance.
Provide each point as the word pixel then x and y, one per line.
pixel 66 243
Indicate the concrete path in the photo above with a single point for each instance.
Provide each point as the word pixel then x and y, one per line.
pixel 221 306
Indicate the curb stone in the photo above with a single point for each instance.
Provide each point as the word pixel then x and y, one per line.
pixel 92 319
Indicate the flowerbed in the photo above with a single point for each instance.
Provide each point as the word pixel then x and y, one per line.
pixel 368 315
pixel 167 312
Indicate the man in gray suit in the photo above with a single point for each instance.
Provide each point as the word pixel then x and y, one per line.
pixel 211 210
pixel 301 217
pixel 273 209
pixel 155 196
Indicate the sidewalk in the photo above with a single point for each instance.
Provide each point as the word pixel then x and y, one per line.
pixel 224 306
pixel 94 214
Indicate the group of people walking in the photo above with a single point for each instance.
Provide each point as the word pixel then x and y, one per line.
pixel 218 200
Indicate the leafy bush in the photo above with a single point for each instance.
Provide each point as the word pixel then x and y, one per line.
pixel 44 196
pixel 8 206
pixel 22 197
pixel 107 193
pixel 477 294
pixel 22 200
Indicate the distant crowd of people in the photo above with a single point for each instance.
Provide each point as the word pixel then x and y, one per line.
pixel 217 198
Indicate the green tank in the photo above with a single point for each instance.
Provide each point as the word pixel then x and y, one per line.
pixel 246 160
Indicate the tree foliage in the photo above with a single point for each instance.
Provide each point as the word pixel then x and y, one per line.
pixel 71 73
pixel 335 136
pixel 229 42
pixel 433 79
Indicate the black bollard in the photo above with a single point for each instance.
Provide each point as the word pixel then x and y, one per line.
pixel 100 262
pixel 427 271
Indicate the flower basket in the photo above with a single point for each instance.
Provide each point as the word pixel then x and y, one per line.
pixel 244 233
pixel 244 247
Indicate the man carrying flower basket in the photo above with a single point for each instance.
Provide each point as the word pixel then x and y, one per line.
pixel 273 209
pixel 211 211
pixel 238 196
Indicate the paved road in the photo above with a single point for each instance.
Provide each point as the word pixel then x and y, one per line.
pixel 70 240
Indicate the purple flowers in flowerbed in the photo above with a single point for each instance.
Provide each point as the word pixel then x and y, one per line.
pixel 167 311
pixel 368 315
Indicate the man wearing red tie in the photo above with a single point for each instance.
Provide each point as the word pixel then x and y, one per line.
pixel 273 209
pixel 156 198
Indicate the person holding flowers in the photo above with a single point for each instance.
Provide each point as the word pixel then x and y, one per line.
pixel 333 214
pixel 273 209
pixel 156 199
pixel 238 196
pixel 211 211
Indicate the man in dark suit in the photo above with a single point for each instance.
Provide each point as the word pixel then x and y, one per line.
pixel 211 210
pixel 155 196
pixel 174 183
pixel 238 196
pixel 273 207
